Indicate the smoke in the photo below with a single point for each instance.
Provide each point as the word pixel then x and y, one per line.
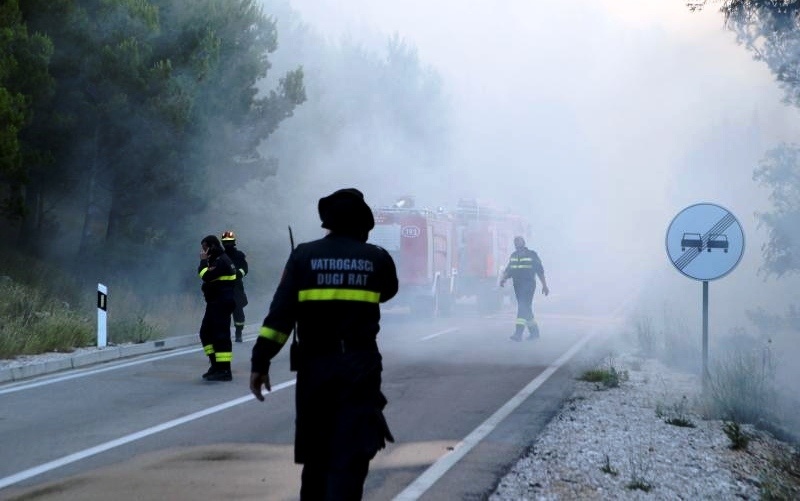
pixel 597 121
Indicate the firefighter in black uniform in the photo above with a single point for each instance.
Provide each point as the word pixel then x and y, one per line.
pixel 523 267
pixel 332 288
pixel 218 274
pixel 239 259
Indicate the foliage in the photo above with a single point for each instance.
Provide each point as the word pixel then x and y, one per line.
pixel 35 322
pixel 160 120
pixel 676 414
pixel 739 439
pixel 770 30
pixel 779 171
pixel 156 111
pixel 608 378
pixel 24 85
pixel 44 308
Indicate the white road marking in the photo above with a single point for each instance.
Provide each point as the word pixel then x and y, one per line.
pixel 443 464
pixel 413 491
pixel 440 333
pixel 97 449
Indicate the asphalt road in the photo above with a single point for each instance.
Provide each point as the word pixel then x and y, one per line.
pixel 464 403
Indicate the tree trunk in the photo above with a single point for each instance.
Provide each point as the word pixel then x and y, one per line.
pixel 95 221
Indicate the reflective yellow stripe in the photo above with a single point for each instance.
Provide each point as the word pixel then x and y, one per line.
pixel 339 295
pixel 521 321
pixel 223 277
pixel 223 356
pixel 272 334
pixel 209 349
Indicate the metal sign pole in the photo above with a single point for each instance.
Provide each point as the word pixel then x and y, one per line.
pixel 705 336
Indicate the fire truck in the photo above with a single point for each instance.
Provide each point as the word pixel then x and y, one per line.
pixel 446 255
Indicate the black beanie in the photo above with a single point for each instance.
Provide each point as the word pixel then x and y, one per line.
pixel 345 211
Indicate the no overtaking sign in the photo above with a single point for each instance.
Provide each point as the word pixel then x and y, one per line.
pixel 705 241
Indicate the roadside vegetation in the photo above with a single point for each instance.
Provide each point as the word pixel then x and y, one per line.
pixel 742 390
pixel 47 310
pixel 605 377
pixel 119 120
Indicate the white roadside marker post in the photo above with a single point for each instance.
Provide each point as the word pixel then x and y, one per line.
pixel 102 313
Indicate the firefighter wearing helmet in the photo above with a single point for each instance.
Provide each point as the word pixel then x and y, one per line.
pixel 523 267
pixel 240 261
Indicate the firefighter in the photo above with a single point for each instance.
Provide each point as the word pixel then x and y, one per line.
pixel 239 259
pixel 218 274
pixel 523 267
pixel 331 288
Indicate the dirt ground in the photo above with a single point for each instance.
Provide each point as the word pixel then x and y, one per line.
pixel 220 472
pixel 223 472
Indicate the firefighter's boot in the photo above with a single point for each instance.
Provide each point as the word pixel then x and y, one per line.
pixel 519 328
pixel 212 368
pixel 221 373
pixel 238 338
pixel 533 329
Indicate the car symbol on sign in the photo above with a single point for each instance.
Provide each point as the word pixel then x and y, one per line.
pixel 410 231
pixel 691 240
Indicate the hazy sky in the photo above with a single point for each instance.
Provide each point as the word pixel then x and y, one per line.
pixel 599 121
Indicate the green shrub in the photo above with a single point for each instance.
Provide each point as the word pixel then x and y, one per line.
pixel 739 439
pixel 676 414
pixel 608 378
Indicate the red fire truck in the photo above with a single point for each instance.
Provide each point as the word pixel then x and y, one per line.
pixel 445 255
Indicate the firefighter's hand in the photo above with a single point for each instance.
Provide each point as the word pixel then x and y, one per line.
pixel 257 381
pixel 502 283
pixel 545 290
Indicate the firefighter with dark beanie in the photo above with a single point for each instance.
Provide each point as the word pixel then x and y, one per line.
pixel 218 274
pixel 331 292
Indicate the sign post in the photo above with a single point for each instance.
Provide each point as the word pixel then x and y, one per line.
pixel 705 242
pixel 102 307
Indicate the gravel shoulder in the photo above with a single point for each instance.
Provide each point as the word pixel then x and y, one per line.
pixel 615 443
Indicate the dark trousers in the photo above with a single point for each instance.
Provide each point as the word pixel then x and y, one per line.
pixel 524 295
pixel 215 332
pixel 238 317
pixel 240 299
pixel 320 482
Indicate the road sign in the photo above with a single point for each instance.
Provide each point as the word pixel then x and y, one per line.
pixel 705 241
